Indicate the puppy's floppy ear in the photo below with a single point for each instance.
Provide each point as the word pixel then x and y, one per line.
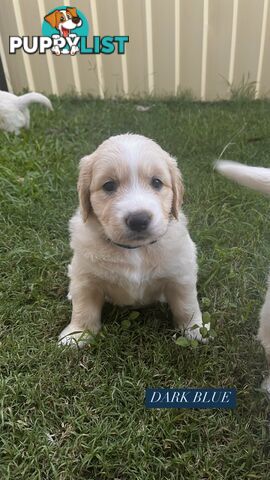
pixel 83 186
pixel 72 11
pixel 51 18
pixel 177 186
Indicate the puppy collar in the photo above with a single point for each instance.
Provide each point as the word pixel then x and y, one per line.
pixel 128 247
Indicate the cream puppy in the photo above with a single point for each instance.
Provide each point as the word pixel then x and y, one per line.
pixel 130 239
pixel 14 112
pixel 257 178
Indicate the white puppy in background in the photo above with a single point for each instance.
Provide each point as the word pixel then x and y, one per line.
pixel 130 239
pixel 14 112
pixel 257 178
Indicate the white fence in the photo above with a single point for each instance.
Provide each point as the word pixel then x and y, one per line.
pixel 175 45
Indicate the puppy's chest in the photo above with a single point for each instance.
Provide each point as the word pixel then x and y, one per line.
pixel 135 280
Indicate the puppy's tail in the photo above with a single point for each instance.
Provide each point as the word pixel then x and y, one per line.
pixel 257 178
pixel 33 97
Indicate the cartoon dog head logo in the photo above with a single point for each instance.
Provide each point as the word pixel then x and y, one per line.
pixel 67 23
pixel 64 20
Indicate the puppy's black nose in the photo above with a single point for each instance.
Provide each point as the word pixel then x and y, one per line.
pixel 76 19
pixel 139 221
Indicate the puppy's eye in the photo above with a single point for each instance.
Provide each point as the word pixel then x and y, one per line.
pixel 156 183
pixel 110 186
pixel 62 19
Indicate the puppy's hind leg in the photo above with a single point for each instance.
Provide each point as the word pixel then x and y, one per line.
pixel 264 333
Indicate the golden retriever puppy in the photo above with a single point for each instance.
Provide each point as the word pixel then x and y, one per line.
pixel 130 239
pixel 257 178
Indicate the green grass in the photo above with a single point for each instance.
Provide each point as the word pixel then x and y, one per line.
pixel 72 415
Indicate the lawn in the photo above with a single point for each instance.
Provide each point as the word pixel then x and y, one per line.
pixel 73 415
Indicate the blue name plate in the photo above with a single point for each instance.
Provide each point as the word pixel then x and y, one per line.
pixel 190 398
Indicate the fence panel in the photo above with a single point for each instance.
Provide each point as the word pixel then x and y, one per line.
pixel 177 45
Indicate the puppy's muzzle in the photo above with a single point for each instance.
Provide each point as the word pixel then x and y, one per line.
pixel 138 221
pixel 76 20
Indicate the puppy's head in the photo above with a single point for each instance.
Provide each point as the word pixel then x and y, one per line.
pixel 132 187
pixel 64 20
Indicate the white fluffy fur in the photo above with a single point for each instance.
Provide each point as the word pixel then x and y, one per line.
pixel 257 178
pixel 102 271
pixel 14 112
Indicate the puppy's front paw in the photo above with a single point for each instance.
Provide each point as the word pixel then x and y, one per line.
pixel 74 338
pixel 74 49
pixel 195 331
pixel 195 334
pixel 56 50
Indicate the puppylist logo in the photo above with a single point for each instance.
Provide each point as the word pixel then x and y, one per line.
pixel 65 31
